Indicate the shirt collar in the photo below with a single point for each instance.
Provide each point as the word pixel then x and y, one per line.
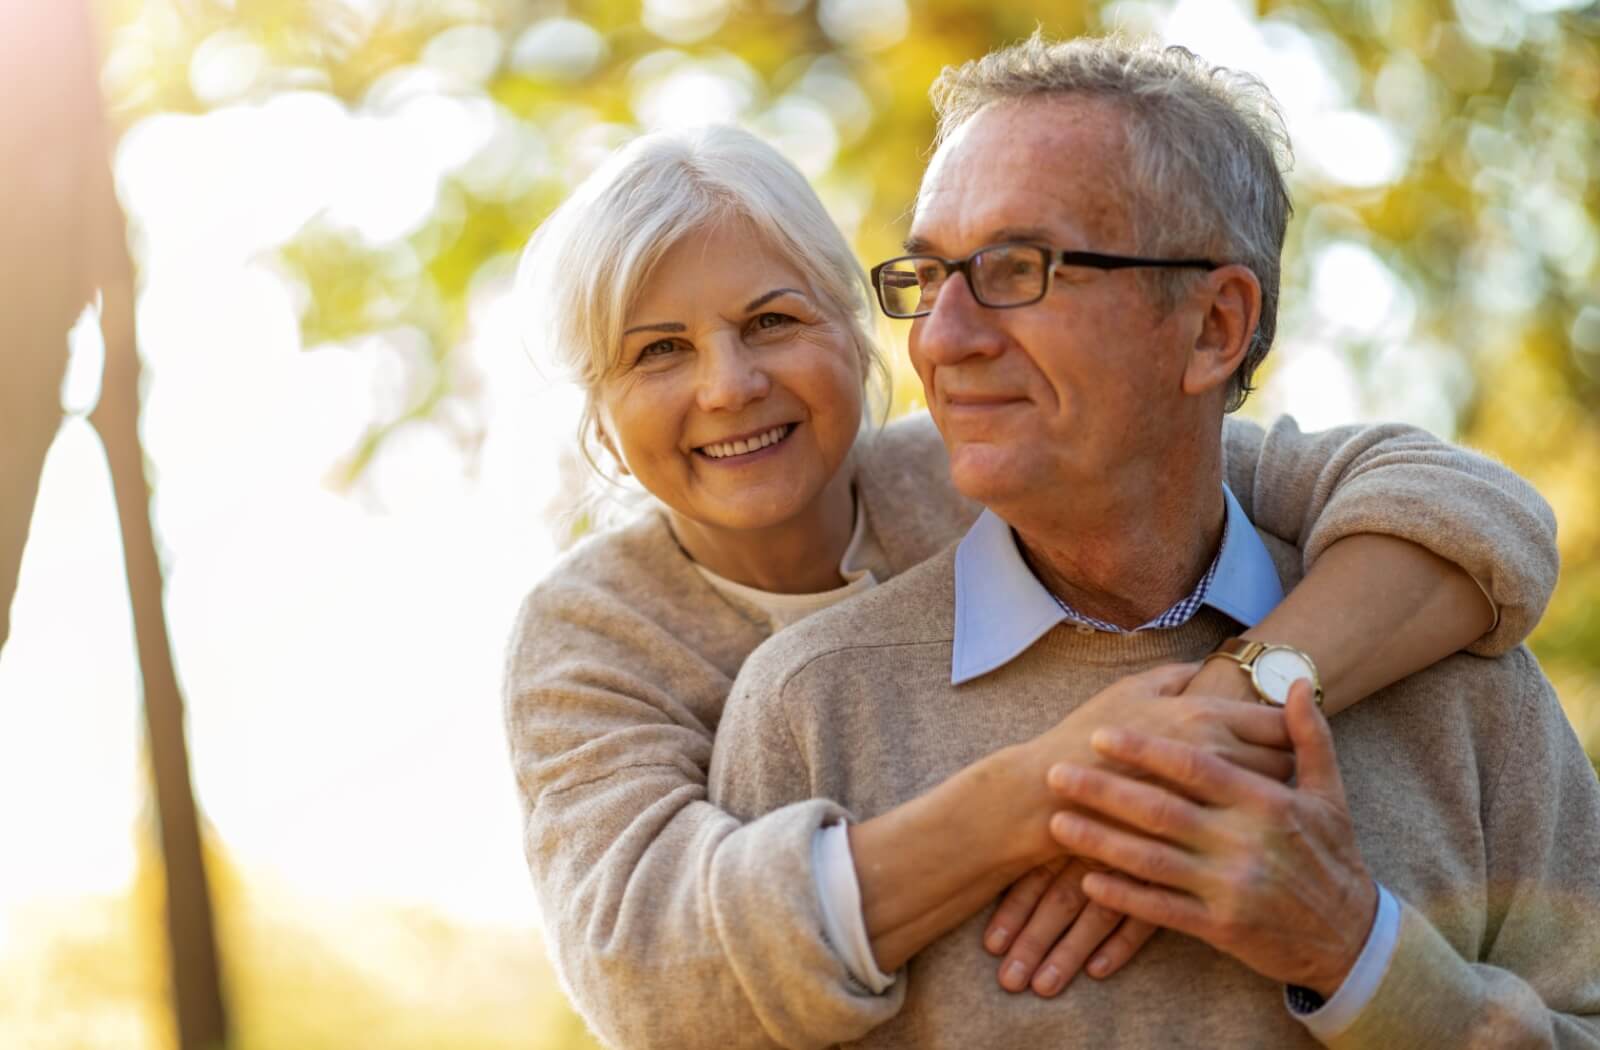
pixel 1002 608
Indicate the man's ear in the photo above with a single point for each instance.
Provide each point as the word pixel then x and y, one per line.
pixel 1231 308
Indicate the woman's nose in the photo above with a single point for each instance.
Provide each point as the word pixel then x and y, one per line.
pixel 730 377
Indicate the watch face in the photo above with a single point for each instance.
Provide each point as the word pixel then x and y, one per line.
pixel 1277 669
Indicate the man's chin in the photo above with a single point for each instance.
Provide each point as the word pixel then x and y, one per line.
pixel 988 474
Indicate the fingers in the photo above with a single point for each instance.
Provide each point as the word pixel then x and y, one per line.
pixel 1143 858
pixel 1271 762
pixel 1065 961
pixel 1315 760
pixel 1057 907
pixel 1203 776
pixel 1017 905
pixel 1147 807
pixel 1151 904
pixel 1121 946
pixel 1254 723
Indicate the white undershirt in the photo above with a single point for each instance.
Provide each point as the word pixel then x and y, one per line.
pixel 786 609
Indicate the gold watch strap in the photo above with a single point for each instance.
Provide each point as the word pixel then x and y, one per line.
pixel 1241 651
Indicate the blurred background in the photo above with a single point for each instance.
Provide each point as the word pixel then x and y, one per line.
pixel 357 468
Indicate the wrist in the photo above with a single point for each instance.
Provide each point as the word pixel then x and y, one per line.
pixel 1363 912
pixel 1010 805
pixel 1223 678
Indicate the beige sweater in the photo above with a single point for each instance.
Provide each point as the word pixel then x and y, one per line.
pixel 663 914
pixel 1473 802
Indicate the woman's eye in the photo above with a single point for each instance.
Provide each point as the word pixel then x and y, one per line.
pixel 659 348
pixel 773 320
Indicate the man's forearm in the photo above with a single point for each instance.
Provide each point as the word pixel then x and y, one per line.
pixel 927 865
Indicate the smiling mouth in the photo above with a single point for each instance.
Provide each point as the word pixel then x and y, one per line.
pixel 745 446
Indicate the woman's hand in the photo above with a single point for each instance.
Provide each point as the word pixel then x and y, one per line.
pixel 1028 929
pixel 1045 926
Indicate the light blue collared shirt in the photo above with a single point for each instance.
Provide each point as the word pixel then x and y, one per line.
pixel 1002 608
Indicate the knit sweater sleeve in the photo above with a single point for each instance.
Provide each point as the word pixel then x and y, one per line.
pixel 1534 980
pixel 1311 489
pixel 670 922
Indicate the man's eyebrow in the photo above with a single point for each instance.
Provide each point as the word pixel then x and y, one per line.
pixel 915 245
pixel 762 300
pixel 664 326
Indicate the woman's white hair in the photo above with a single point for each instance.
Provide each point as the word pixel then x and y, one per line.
pixel 587 264
pixel 1208 149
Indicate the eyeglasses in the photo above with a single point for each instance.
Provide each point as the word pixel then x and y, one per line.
pixel 1000 276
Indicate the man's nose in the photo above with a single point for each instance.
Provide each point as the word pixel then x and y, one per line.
pixel 959 327
pixel 730 376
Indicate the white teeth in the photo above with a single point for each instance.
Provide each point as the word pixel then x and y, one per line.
pixel 724 449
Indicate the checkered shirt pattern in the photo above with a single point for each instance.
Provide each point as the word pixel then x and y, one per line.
pixel 1177 616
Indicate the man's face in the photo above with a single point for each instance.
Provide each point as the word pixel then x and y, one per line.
pixel 1037 400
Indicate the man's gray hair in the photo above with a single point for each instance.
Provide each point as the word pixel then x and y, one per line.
pixel 1207 147
pixel 588 262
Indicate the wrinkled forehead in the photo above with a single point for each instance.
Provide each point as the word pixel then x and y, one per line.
pixel 1055 165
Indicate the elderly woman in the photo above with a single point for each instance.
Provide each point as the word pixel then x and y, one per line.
pixel 718 323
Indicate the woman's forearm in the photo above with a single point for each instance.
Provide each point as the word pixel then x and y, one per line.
pixel 1372 610
pixel 928 864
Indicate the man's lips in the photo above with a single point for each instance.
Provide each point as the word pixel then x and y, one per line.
pixel 981 402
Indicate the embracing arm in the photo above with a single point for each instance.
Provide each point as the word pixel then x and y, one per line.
pixel 1362 495
pixel 666 917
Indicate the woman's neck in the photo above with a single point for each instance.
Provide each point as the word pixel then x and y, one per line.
pixel 797 556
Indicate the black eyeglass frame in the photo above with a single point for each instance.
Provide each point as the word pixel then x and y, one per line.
pixel 1053 257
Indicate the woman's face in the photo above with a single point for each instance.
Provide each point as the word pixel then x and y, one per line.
pixel 739 392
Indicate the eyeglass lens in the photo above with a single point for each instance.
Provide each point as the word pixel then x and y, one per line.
pixel 1001 275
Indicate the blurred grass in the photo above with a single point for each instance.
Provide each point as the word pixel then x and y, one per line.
pixel 301 974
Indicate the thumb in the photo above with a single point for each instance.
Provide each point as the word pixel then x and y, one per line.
pixel 1316 765
pixel 1166 680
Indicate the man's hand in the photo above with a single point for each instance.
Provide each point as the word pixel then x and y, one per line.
pixel 1267 873
pixel 1045 927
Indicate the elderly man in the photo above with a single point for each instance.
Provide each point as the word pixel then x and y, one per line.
pixel 1094 276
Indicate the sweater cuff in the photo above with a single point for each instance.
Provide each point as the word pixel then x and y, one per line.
pixel 769 923
pixel 1427 998
pixel 839 893
pixel 1327 1020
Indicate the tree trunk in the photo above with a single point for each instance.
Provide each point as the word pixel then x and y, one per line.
pixel 64 237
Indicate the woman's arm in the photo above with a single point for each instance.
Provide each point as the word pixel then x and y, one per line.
pixel 661 912
pixel 1397 529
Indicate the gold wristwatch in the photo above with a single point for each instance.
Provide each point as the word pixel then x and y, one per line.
pixel 1272 668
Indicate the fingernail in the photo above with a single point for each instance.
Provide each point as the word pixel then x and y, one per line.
pixel 1057 777
pixel 1098 966
pixel 1016 976
pixel 1048 981
pixel 997 939
pixel 1105 738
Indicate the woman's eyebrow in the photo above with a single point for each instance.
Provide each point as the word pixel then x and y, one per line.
pixel 664 326
pixel 762 300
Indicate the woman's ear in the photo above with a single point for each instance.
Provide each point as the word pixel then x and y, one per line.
pixel 1231 309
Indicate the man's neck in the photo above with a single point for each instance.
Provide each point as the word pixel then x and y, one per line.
pixel 1128 552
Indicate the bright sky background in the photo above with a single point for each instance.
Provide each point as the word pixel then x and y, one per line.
pixel 341 652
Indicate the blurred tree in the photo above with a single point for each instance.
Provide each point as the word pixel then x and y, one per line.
pixel 1468 128
pixel 63 243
